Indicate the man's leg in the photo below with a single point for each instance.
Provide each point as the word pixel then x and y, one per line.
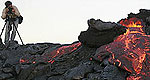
pixel 15 26
pixel 7 32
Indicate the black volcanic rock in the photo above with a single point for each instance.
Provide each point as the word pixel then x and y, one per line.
pixel 79 71
pixel 78 65
pixel 2 46
pixel 74 61
pixel 143 14
pixel 100 33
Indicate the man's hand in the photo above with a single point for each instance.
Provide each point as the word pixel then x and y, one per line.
pixel 2 17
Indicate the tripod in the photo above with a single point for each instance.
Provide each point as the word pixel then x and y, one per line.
pixel 10 20
pixel 3 30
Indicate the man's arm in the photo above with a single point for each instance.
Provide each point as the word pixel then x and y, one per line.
pixel 3 14
pixel 16 11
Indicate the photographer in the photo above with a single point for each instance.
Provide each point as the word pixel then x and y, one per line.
pixel 10 14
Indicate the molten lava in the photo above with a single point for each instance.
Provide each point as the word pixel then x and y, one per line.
pixel 132 22
pixel 130 51
pixel 135 55
pixel 62 50
pixel 50 57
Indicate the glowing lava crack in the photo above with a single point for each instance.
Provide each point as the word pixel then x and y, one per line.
pixel 130 51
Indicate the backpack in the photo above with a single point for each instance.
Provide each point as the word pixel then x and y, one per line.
pixel 20 19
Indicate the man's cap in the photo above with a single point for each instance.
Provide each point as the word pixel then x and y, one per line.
pixel 7 3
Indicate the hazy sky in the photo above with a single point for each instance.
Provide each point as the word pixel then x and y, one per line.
pixel 61 21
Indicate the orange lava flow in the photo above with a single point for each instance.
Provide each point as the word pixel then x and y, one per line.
pixel 131 51
pixel 50 57
pixel 60 51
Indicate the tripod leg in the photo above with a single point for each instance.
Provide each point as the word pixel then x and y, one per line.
pixel 17 32
pixel 3 29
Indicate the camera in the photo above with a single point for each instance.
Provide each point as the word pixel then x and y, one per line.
pixel 10 10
